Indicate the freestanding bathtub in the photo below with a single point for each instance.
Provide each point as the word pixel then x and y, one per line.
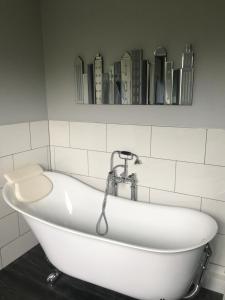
pixel 151 252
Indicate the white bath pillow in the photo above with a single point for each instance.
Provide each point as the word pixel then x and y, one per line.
pixel 33 189
pixel 30 184
pixel 23 173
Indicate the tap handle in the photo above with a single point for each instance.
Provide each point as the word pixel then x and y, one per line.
pixel 126 153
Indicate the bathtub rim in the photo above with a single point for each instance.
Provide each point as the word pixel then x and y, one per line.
pixel 7 187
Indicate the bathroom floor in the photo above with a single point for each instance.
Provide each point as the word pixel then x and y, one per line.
pixel 24 279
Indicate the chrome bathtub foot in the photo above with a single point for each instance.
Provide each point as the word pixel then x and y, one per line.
pixel 197 284
pixel 53 276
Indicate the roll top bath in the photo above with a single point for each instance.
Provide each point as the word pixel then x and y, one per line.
pixel 30 184
pixel 150 252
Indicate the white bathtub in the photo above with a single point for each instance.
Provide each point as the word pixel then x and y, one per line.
pixel 151 252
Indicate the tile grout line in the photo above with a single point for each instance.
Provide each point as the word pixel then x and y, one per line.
pixel 49 146
pixel 20 236
pixel 30 135
pixel 206 140
pixel 144 156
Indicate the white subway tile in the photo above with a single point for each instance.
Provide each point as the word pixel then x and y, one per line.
pixel 124 191
pixel 186 144
pixel 90 136
pixel 201 180
pixel 59 133
pixel 214 278
pixel 71 160
pixel 14 138
pixel 155 173
pixel 215 147
pixel 17 248
pixel 217 210
pixel 8 229
pixel 132 138
pixel 99 164
pixel 39 134
pixel 4 208
pixel 23 226
pixel 35 156
pixel 52 157
pixel 174 199
pixel 96 183
pixel 218 246
pixel 6 165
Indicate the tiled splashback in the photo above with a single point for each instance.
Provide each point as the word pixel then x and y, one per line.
pixel 21 144
pixel 180 166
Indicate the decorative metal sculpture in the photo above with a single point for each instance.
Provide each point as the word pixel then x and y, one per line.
pixel 126 76
pixel 78 74
pixel 133 80
pixel 137 60
pixel 98 70
pixel 187 76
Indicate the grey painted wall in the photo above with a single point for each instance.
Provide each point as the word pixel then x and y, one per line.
pixel 84 27
pixel 22 86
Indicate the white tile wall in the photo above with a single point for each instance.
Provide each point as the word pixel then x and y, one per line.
pixel 218 246
pixel 90 136
pixel 155 173
pixel 9 230
pixel 14 138
pixel 99 164
pixel 23 226
pixel 17 248
pixel 6 164
pixel 174 199
pixel 59 133
pixel 36 156
pixel 39 134
pixel 201 180
pixel 71 160
pixel 184 144
pixel 130 138
pixel 215 151
pixel 217 210
pixel 52 157
pixel 4 208
pixel 16 143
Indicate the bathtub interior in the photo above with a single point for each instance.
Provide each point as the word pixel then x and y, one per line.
pixel 73 205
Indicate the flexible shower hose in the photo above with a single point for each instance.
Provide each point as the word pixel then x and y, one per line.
pixel 102 216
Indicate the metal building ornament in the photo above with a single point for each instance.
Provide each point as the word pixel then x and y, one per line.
pixel 134 80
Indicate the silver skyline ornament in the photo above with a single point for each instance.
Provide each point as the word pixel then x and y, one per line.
pixel 137 65
pixel 187 76
pixel 159 75
pixel 126 79
pixel 98 70
pixel 111 84
pixel 78 80
pixel 168 82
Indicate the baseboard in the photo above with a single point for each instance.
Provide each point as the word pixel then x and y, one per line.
pixel 214 279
